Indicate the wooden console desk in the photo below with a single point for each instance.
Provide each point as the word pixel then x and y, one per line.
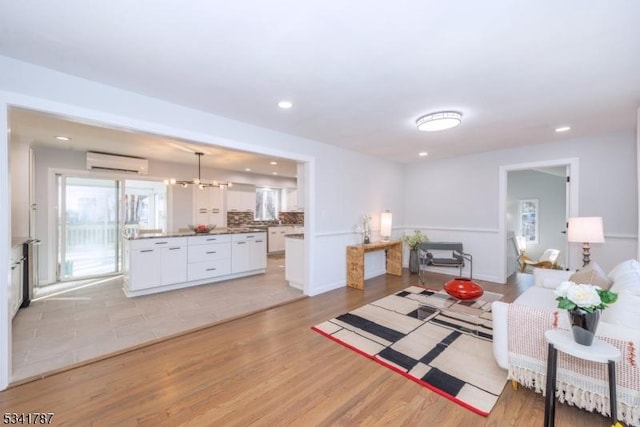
pixel 355 260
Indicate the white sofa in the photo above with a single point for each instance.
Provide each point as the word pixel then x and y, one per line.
pixel 519 345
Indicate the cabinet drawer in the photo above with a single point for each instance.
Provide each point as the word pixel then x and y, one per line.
pixel 249 236
pixel 157 243
pixel 204 270
pixel 210 252
pixel 208 238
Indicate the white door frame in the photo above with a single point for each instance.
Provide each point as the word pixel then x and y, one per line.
pixel 573 167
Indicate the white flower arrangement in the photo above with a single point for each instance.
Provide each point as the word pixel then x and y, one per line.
pixel 572 295
pixel 364 227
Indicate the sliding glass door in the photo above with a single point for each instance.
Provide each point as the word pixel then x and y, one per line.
pixel 88 227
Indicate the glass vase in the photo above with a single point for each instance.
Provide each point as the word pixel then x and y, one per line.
pixel 583 325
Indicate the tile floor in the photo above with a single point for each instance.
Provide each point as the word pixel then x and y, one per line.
pixel 71 328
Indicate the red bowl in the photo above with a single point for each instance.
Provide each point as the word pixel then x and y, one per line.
pixel 464 289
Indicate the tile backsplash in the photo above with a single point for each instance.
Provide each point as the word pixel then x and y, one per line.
pixel 239 219
pixel 296 218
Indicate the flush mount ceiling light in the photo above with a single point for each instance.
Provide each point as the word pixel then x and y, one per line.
pixel 285 105
pixel 198 181
pixel 423 154
pixel 439 121
pixel 563 129
pixel 63 138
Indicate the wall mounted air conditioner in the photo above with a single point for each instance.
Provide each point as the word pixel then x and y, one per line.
pixel 116 163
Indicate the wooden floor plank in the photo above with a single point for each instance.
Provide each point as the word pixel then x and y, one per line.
pixel 269 369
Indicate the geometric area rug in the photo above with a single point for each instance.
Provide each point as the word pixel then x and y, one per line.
pixel 418 333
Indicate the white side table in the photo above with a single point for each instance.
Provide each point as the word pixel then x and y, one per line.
pixel 599 351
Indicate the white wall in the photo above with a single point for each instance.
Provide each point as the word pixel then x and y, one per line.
pixel 460 197
pixel 340 185
pixel 5 248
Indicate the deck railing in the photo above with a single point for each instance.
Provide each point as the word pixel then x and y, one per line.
pixel 93 234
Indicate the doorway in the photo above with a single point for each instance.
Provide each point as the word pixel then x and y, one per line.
pixel 91 212
pixel 88 243
pixel 509 226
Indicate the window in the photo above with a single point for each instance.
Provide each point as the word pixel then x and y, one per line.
pixel 528 217
pixel 267 202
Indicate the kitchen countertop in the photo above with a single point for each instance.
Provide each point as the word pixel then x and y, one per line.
pixel 213 232
pixel 275 225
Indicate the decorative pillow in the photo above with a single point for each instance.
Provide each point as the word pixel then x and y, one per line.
pixel 592 275
pixel 624 312
pixel 630 265
pixel 627 283
pixel 550 283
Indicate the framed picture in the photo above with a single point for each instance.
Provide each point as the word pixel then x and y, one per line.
pixel 528 218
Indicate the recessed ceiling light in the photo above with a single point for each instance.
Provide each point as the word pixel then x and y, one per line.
pixel 285 105
pixel 439 121
pixel 423 154
pixel 275 173
pixel 63 138
pixel 247 169
pixel 273 163
pixel 563 129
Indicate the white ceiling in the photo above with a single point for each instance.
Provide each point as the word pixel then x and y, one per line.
pixel 359 72
pixel 39 130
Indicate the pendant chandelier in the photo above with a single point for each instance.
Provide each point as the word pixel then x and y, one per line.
pixel 198 181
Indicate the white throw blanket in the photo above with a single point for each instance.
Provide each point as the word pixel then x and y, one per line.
pixel 579 382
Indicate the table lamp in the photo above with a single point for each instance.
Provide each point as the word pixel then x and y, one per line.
pixel 385 225
pixel 585 230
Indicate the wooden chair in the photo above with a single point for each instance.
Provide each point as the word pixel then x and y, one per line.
pixel 548 259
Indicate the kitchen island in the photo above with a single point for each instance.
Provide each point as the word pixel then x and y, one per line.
pixel 167 261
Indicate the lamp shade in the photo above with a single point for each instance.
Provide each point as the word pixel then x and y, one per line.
pixel 585 229
pixel 385 224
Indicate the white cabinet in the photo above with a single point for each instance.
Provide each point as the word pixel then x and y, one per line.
pixel 209 256
pixel 300 182
pixel 240 253
pixel 15 286
pixel 258 255
pixel 174 262
pixel 241 198
pixel 143 268
pixel 156 262
pixel 294 262
pixel 276 237
pixel 276 240
pixel 159 264
pixel 248 252
pixel 292 200
pixel 209 206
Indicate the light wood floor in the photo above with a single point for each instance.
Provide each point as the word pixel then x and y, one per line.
pixel 88 323
pixel 269 369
